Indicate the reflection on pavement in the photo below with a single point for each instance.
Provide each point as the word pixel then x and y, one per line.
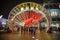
pixel 28 36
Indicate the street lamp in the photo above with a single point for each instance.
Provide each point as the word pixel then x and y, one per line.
pixel 1 16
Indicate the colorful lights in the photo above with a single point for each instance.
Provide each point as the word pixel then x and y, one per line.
pixel 30 17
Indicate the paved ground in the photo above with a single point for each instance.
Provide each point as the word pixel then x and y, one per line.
pixel 26 36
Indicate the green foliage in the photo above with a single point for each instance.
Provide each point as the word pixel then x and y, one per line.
pixel 1 27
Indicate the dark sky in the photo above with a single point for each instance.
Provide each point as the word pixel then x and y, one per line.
pixel 7 5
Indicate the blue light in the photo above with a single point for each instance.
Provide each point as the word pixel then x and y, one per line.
pixel 3 20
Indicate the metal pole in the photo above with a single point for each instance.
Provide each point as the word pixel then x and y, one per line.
pixel 28 30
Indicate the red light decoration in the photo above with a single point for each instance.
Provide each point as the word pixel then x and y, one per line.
pixel 30 17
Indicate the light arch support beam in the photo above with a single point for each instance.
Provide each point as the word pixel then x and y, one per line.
pixel 32 7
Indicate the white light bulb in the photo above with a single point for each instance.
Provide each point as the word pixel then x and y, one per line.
pixel 22 9
pixel 32 8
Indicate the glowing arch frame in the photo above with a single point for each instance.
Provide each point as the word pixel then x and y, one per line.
pixel 38 7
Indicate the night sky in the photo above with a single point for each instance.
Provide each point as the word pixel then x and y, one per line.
pixel 7 5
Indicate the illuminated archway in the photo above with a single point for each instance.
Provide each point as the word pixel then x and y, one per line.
pixel 30 8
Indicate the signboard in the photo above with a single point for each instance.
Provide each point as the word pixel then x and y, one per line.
pixel 54 12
